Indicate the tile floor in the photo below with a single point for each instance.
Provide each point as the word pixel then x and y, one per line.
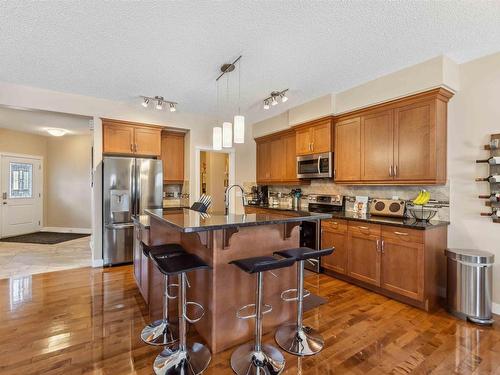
pixel 20 259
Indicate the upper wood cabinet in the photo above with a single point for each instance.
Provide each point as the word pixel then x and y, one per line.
pixel 128 138
pixel 314 137
pixel 277 158
pixel 402 142
pixel 172 155
pixel 347 158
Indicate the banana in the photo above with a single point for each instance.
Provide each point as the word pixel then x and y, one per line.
pixel 426 199
pixel 419 197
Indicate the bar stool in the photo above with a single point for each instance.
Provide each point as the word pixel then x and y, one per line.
pixel 258 358
pixel 187 359
pixel 161 332
pixel 294 337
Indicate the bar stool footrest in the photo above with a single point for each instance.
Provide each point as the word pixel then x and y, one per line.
pixel 266 309
pixel 284 295
pixel 199 306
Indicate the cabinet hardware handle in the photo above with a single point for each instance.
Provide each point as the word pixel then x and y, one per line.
pixel 131 147
pixel 378 246
pixel 395 170
pixel 382 246
pixel 334 173
pixel 362 227
pixel 335 223
pixel 390 171
pixel 401 233
pixel 319 164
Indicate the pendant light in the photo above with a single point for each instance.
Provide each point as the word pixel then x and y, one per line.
pixel 227 127
pixel 239 120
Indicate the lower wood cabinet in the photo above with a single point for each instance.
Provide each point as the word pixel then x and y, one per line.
pixel 141 262
pixel 404 264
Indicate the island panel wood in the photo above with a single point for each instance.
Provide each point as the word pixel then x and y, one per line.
pixel 225 288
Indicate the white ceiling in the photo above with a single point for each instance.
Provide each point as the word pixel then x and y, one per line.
pixel 37 122
pixel 119 50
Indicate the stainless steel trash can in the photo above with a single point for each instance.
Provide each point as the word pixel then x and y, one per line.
pixel 469 283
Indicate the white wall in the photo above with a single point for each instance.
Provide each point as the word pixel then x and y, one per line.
pixel 473 114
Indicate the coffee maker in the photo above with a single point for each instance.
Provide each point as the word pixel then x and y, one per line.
pixel 263 195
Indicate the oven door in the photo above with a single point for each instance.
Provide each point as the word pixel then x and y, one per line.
pixel 314 166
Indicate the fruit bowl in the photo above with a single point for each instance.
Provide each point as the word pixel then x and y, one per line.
pixel 422 213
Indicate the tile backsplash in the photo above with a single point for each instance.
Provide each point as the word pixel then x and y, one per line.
pixel 439 193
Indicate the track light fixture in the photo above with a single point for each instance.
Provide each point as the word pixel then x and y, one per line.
pixel 160 101
pixel 273 98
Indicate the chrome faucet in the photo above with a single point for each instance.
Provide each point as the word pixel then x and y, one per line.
pixel 226 197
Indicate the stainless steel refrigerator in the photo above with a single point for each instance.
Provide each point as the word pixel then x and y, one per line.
pixel 130 185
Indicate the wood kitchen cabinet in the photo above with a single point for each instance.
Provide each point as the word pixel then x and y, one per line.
pixel 402 142
pixel 172 155
pixel 347 158
pixel 334 234
pixel 314 137
pixel 128 138
pixel 401 263
pixel 277 159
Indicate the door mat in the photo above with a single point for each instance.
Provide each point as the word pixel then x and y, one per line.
pixel 44 238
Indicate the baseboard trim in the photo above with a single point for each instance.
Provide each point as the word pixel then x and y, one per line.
pixel 495 308
pixel 97 263
pixel 67 230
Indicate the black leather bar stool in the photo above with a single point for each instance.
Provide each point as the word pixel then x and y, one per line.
pixel 162 332
pixel 258 358
pixel 187 359
pixel 294 337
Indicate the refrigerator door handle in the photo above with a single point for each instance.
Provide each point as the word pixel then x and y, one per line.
pixel 120 226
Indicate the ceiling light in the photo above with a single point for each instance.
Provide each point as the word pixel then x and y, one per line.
pixel 145 103
pixel 266 104
pixel 273 98
pixel 274 101
pixel 56 132
pixel 217 138
pixel 284 98
pixel 227 134
pixel 172 107
pixel 239 129
pixel 159 104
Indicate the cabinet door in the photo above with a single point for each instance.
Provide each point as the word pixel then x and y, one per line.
pixel 117 139
pixel 263 161
pixel 338 260
pixel 415 142
pixel 377 146
pixel 322 138
pixel 347 156
pixel 137 255
pixel 172 155
pixel 403 267
pixel 277 160
pixel 304 141
pixel 363 260
pixel 289 145
pixel 147 141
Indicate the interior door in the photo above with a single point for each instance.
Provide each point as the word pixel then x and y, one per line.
pixel 21 182
pixel 377 147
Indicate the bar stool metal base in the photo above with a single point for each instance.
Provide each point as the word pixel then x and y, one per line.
pixel 305 341
pixel 192 361
pixel 160 333
pixel 246 361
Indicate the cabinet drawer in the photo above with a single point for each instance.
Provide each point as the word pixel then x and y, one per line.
pixel 364 228
pixel 336 225
pixel 403 234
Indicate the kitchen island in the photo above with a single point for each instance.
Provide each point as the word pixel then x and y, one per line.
pixel 219 239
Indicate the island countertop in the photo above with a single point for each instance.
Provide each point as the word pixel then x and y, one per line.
pixel 188 221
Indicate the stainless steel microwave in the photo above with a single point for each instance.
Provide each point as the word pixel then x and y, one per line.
pixel 315 166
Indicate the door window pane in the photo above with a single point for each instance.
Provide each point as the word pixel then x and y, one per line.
pixel 21 180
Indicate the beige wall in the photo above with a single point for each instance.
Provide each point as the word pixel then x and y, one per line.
pixel 66 179
pixel 473 114
pixel 68 172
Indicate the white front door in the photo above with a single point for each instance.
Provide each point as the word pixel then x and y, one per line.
pixel 21 188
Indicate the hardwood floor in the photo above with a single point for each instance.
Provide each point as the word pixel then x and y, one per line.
pixel 87 321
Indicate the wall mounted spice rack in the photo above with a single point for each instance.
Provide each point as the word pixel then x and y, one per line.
pixel 493 199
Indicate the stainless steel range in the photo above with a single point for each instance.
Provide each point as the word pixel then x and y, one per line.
pixel 310 234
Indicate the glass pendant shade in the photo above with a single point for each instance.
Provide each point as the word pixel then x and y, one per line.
pixel 239 129
pixel 217 138
pixel 227 134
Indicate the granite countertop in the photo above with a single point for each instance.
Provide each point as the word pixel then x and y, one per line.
pixel 188 221
pixel 367 218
